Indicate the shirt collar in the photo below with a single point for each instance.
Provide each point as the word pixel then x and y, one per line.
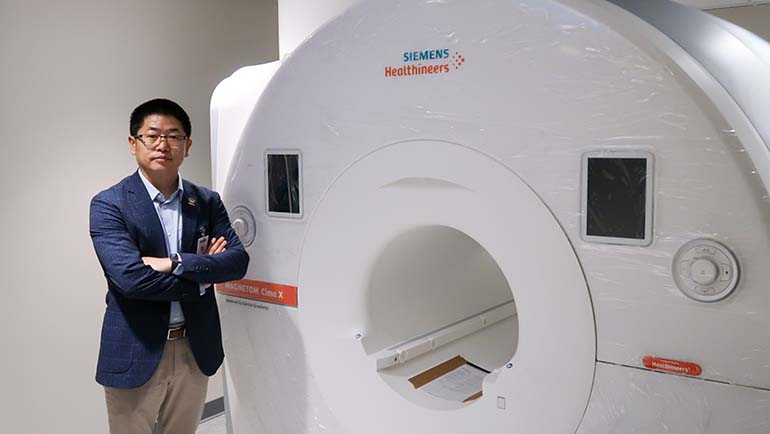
pixel 155 193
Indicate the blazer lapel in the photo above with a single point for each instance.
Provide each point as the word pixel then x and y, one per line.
pixel 147 214
pixel 190 205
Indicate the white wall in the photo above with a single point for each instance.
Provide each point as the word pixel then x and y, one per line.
pixel 298 19
pixel 713 4
pixel 70 73
pixel 753 18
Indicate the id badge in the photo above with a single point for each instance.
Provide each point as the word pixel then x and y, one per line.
pixel 203 244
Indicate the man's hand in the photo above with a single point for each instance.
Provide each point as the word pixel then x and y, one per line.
pixel 217 245
pixel 162 265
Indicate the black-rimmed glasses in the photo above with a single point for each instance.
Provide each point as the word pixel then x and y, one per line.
pixel 152 141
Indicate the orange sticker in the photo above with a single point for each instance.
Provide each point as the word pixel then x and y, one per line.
pixel 262 291
pixel 674 366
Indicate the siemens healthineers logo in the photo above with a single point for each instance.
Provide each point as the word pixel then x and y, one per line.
pixel 426 62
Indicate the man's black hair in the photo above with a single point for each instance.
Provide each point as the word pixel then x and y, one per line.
pixel 158 106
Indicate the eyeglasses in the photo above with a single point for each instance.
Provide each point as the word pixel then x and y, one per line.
pixel 152 141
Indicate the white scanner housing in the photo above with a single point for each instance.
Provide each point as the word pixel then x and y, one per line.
pixel 571 196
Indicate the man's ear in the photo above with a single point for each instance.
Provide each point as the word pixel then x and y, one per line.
pixel 132 145
pixel 187 148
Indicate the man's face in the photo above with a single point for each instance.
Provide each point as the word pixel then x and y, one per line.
pixel 164 157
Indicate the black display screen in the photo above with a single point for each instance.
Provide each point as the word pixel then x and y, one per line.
pixel 616 197
pixel 283 183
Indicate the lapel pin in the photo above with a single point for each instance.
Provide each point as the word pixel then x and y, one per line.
pixel 191 201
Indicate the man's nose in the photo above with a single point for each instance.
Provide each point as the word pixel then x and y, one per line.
pixel 162 143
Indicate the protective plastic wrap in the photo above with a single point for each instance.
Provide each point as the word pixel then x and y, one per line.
pixel 557 192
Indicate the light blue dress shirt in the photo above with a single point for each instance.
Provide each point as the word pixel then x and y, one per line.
pixel 170 214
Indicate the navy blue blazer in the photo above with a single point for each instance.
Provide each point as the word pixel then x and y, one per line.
pixel 124 227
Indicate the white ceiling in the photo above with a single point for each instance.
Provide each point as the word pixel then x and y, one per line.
pixel 714 4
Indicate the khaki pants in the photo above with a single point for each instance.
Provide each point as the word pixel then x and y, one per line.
pixel 173 398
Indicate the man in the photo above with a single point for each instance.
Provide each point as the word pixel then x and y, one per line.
pixel 162 242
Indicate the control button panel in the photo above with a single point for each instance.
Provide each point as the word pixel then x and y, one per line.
pixel 705 270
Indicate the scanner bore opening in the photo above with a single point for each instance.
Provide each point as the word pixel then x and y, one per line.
pixel 434 294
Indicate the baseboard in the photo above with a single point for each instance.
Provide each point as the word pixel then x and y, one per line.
pixel 213 408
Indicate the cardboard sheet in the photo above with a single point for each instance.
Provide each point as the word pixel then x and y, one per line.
pixel 454 380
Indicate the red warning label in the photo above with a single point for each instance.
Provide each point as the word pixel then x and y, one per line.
pixel 674 366
pixel 262 291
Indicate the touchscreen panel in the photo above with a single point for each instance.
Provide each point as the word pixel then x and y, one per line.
pixel 283 183
pixel 616 197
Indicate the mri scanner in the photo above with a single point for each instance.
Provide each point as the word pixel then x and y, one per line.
pixel 489 216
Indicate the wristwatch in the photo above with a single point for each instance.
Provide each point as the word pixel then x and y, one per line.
pixel 176 260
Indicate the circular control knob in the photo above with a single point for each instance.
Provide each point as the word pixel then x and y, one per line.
pixel 241 227
pixel 705 270
pixel 244 225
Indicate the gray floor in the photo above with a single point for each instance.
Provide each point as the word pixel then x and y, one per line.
pixel 215 425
